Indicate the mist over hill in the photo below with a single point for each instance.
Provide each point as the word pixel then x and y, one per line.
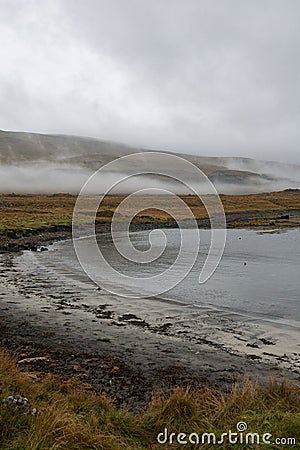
pixel 40 163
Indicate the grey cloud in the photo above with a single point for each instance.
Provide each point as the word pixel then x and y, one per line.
pixel 206 77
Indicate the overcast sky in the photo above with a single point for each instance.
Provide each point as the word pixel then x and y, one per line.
pixel 207 77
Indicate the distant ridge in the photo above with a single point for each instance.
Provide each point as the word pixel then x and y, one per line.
pixel 21 149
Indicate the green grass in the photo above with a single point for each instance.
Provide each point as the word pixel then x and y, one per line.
pixel 71 416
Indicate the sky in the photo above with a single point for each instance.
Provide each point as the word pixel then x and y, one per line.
pixel 209 77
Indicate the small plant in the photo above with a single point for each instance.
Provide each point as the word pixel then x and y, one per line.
pixel 19 404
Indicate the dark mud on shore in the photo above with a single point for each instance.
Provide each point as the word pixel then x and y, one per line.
pixel 118 346
pixel 128 373
pixel 115 347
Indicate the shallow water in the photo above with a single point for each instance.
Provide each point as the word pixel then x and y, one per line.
pixel 267 286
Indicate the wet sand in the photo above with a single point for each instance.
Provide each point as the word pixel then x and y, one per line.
pixel 128 347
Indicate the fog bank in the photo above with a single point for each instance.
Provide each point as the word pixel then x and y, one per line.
pixel 42 179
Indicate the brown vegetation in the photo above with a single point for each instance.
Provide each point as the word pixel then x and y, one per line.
pixel 18 212
pixel 72 416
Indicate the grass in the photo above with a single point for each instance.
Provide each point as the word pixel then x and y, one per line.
pixel 71 416
pixel 18 212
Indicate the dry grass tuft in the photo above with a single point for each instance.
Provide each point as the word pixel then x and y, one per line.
pixel 72 417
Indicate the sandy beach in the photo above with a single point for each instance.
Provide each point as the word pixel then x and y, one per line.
pixel 129 347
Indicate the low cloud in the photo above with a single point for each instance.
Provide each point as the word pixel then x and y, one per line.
pixel 42 179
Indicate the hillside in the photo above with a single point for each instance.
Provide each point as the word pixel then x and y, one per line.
pixel 29 159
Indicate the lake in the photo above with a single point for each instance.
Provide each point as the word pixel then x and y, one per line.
pixel 257 276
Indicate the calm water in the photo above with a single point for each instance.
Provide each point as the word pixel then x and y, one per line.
pixel 267 286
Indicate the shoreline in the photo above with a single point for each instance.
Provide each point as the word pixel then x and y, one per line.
pixel 14 241
pixel 125 349
pixel 27 222
pixel 118 346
